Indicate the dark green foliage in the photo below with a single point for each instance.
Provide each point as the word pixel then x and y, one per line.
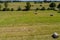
pixel 35 2
pixel 48 9
pixel 43 8
pixel 1 2
pixel 5 9
pixel 40 5
pixel 27 6
pixel 58 6
pixel 52 6
pixel 45 0
pixel 37 9
pixel 0 7
pixel 12 9
pixel 40 2
pixel 6 4
pixel 19 9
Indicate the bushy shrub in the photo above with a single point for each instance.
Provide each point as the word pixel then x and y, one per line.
pixel 6 4
pixel 1 2
pixel 5 9
pixel 48 9
pixel 58 6
pixel 12 9
pixel 0 7
pixel 35 2
pixel 40 2
pixel 43 8
pixel 27 7
pixel 19 9
pixel 52 6
pixel 37 9
pixel 40 5
pixel 45 0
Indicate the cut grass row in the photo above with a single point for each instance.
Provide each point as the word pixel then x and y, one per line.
pixel 34 32
pixel 28 17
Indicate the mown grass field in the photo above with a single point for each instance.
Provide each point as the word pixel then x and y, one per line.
pixel 25 25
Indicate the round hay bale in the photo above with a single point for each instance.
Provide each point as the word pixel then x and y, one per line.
pixel 35 12
pixel 40 5
pixel 55 35
pixel 51 14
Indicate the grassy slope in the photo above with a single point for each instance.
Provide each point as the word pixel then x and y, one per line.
pixel 28 26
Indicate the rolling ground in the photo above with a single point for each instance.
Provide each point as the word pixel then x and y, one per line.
pixel 25 25
pixel 19 25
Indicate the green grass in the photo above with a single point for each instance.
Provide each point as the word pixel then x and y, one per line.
pixel 25 25
pixel 29 17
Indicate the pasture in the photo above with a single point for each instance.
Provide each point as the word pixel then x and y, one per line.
pixel 25 25
pixel 28 26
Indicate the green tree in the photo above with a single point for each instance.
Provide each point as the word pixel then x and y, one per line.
pixel 0 7
pixel 12 9
pixel 45 0
pixel 52 5
pixel 43 8
pixel 28 6
pixel 58 6
pixel 6 4
pixel 35 2
pixel 19 8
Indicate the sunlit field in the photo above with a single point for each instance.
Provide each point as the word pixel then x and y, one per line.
pixel 26 25
pixel 29 26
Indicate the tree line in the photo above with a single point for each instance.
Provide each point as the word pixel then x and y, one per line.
pixel 52 6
